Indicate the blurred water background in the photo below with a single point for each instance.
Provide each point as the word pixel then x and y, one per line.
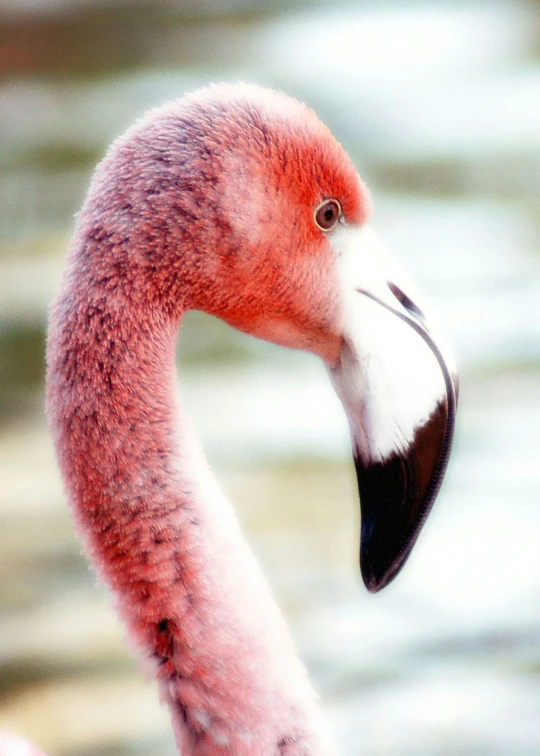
pixel 439 105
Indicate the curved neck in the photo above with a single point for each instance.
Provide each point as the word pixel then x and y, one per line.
pixel 163 537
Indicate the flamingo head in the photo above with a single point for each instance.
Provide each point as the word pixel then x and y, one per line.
pixel 240 202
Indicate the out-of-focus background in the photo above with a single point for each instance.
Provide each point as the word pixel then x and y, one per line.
pixel 439 105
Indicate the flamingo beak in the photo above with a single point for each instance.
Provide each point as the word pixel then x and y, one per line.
pixel 397 383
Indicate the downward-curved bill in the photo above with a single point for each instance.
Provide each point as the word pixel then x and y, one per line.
pixel 400 394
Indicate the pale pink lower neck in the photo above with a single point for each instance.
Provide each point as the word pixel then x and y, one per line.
pixel 164 538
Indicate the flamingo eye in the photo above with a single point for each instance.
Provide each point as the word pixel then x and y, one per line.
pixel 327 214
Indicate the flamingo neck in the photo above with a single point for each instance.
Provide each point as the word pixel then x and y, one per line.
pixel 164 538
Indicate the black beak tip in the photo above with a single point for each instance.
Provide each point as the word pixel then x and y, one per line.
pixel 373 583
pixel 386 522
pixel 395 498
pixel 377 573
pixel 377 579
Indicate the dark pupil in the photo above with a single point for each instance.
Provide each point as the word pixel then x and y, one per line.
pixel 329 213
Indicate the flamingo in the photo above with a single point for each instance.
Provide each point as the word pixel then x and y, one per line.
pixel 238 201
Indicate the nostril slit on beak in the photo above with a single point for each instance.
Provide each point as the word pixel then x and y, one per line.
pixel 405 302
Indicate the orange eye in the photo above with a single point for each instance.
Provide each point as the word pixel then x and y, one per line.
pixel 327 214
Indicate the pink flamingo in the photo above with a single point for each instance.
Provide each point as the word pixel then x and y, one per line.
pixel 237 201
